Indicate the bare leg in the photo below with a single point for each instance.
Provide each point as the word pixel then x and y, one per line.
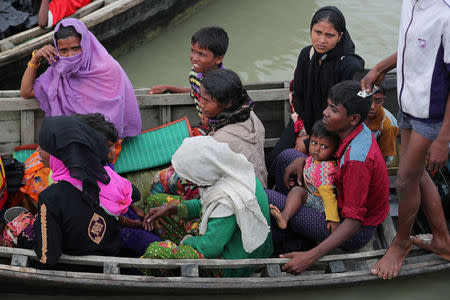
pixel 295 199
pixel 43 14
pixel 412 166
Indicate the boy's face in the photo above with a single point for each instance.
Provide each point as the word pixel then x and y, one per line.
pixel 45 157
pixel 377 102
pixel 321 148
pixel 203 60
pixel 335 118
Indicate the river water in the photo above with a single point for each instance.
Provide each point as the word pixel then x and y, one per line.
pixel 265 39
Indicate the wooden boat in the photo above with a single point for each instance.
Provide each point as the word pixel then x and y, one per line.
pixel 112 275
pixel 110 20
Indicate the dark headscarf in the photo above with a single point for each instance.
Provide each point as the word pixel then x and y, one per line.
pixel 82 150
pixel 312 81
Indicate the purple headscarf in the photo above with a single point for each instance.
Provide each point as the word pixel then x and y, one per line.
pixel 89 82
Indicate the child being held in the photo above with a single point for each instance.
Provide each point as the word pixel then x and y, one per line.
pixel 208 48
pixel 319 177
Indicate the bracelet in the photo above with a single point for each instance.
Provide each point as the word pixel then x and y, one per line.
pixel 33 66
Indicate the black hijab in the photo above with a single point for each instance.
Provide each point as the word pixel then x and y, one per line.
pixel 82 150
pixel 312 81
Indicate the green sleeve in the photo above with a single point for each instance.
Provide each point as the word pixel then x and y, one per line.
pixel 219 233
pixel 189 209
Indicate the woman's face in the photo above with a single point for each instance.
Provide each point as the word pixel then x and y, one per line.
pixel 45 157
pixel 324 36
pixel 69 46
pixel 210 107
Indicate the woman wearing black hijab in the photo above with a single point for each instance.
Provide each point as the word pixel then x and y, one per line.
pixel 70 219
pixel 329 60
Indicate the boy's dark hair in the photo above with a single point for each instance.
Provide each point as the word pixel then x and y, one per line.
pixel 98 122
pixel 320 131
pixel 224 85
pixel 212 38
pixel 346 94
pixel 65 32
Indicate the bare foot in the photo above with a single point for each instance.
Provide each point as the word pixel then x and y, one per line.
pixel 276 213
pixel 389 265
pixel 427 242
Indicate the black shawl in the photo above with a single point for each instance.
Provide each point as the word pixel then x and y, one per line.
pixel 312 81
pixel 82 150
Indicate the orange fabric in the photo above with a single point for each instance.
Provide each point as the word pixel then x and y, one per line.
pixel 388 136
pixel 118 148
pixel 35 179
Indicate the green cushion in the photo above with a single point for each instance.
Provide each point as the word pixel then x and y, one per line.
pixel 21 153
pixel 152 148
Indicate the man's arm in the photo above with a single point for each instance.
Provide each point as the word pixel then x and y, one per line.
pixel 376 74
pixel 43 14
pixel 300 261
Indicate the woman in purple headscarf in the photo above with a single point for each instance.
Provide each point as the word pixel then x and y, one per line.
pixel 82 78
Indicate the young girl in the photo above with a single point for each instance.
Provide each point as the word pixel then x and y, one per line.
pixel 318 176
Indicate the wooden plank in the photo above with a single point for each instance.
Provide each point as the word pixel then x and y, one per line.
pixel 27 127
pixel 19 260
pixel 165 114
pixel 6 45
pixel 388 231
pixel 15 104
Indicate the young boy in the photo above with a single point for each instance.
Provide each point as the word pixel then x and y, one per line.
pixel 208 47
pixel 383 125
pixel 361 180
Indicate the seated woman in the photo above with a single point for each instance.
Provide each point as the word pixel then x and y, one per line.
pixel 330 59
pixel 229 110
pixel 233 207
pixel 77 215
pixel 82 78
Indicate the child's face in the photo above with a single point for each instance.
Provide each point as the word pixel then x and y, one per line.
pixel 210 107
pixel 45 157
pixel 203 60
pixel 321 148
pixel 335 118
pixel 112 151
pixel 377 102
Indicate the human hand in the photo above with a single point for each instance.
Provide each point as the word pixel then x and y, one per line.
pixel 48 52
pixel 295 167
pixel 300 261
pixel 373 76
pixel 136 224
pixel 158 89
pixel 437 156
pixel 300 144
pixel 155 213
pixel 331 226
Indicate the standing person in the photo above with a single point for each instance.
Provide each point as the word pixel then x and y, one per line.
pixel 423 85
pixel 330 59
pixel 82 78
pixel 208 48
pixel 361 180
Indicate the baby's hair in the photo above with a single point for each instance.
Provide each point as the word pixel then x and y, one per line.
pixel 98 122
pixel 224 85
pixel 66 32
pixel 346 94
pixel 212 38
pixel 320 131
